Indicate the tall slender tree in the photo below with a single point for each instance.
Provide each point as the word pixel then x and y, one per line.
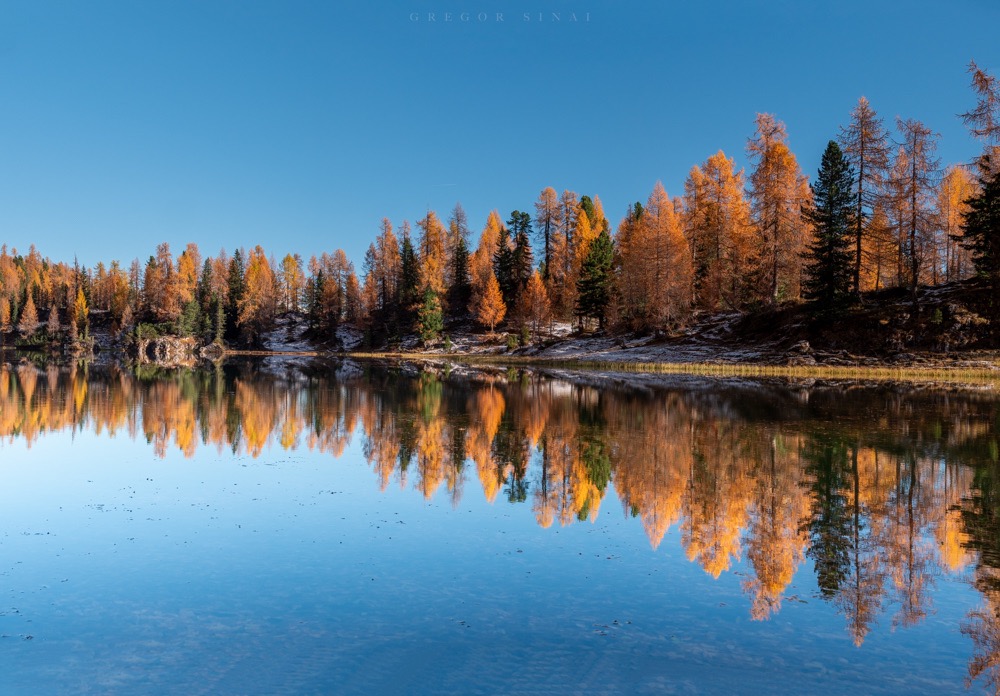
pixel 234 294
pixel 957 186
pixel 778 191
pixel 595 283
pixel 829 260
pixel 257 301
pixel 666 268
pixel 458 235
pixel 535 308
pixel 717 225
pixel 503 267
pixel 919 185
pixel 865 143
pixel 548 218
pixel 461 286
pixel 481 261
pixel 409 274
pixel 522 259
pixel 433 253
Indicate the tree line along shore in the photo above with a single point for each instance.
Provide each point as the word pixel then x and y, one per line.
pixel 881 217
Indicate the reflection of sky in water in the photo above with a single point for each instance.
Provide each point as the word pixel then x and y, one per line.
pixel 292 572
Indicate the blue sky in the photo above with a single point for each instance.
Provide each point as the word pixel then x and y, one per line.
pixel 299 125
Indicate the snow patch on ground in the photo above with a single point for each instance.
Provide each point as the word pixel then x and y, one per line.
pixel 288 335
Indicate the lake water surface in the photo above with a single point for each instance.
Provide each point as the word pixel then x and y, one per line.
pixel 349 528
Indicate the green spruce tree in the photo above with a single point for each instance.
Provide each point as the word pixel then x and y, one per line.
pixel 829 259
pixel 503 267
pixel 237 271
pixel 429 317
pixel 594 286
pixel 409 278
pixel 981 231
pixel 522 260
pixel 461 287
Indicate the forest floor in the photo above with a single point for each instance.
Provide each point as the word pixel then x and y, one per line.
pixel 947 331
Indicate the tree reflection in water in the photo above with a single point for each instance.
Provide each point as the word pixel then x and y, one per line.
pixel 882 488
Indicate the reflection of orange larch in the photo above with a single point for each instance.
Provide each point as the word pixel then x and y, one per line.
pixel 430 456
pixel 486 409
pixel 776 540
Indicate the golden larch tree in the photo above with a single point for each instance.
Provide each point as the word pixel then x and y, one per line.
pixel 28 322
pixel 160 286
pixel 385 266
pixel 717 225
pixel 665 265
pixel 957 186
pixel 488 307
pixel 584 233
pixel 915 177
pixel 188 267
pixel 5 314
pixel 433 253
pixel 257 306
pixel 866 145
pixel 292 282
pixel 481 260
pixel 81 312
pixel 778 192
pixel 535 306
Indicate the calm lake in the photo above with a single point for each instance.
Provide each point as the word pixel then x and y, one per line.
pixel 354 528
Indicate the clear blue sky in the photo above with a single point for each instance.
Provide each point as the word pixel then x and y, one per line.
pixel 299 125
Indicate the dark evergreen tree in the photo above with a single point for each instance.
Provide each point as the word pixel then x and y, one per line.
pixel 237 271
pixel 220 320
pixel 461 287
pixel 522 260
pixel 503 267
pixel 189 322
pixel 203 291
pixel 314 299
pixel 430 321
pixel 510 458
pixel 594 286
pixel 829 259
pixel 981 230
pixel 409 278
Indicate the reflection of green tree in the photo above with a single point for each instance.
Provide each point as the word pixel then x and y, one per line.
pixel 829 525
pixel 407 443
pixel 981 517
pixel 510 457
pixel 429 396
pixel 457 460
pixel 594 449
pixel 596 457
